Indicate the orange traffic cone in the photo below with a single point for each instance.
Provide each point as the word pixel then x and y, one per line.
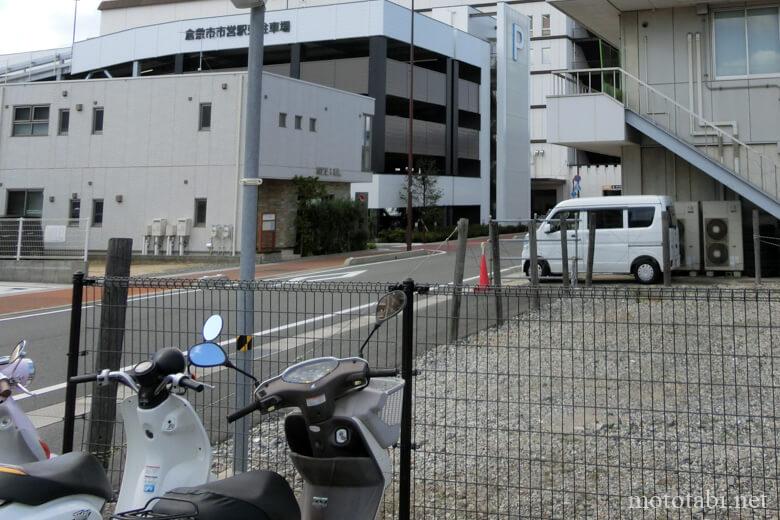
pixel 484 279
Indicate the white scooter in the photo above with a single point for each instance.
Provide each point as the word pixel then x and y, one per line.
pixel 19 440
pixel 348 415
pixel 167 447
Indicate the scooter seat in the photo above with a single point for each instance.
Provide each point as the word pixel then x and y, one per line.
pixel 39 482
pixel 255 495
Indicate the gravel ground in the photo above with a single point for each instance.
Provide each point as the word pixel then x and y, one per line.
pixel 618 405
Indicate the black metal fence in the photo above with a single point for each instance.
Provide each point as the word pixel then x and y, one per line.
pixel 608 402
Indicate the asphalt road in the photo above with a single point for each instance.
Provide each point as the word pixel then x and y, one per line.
pixel 291 324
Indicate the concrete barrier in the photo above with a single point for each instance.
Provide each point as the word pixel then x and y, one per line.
pixel 372 259
pixel 40 271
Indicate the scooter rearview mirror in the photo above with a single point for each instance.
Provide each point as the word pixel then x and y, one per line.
pixel 18 351
pixel 207 354
pixel 212 327
pixel 390 305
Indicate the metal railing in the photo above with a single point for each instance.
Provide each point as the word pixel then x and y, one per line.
pixel 605 402
pixel 744 161
pixel 44 238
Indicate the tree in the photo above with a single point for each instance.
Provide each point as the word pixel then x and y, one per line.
pixel 425 192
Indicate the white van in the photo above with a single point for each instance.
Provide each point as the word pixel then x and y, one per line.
pixel 628 236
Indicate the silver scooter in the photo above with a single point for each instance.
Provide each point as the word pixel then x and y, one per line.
pixel 19 439
pixel 348 415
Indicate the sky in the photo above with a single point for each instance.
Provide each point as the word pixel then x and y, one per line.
pixel 29 25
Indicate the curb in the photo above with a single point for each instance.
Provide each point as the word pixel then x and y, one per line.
pixel 363 260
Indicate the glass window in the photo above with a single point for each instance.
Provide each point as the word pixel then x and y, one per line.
pixel 25 203
pixel 747 41
pixel 607 218
pixel 366 162
pixel 74 211
pixel 545 25
pixel 204 120
pixel 31 120
pixel 97 120
pixel 545 55
pixel 530 26
pixel 282 120
pixel 200 213
pixel 298 122
pixel 571 221
pixel 763 41
pixel 64 122
pixel 640 217
pixel 312 124
pixel 97 212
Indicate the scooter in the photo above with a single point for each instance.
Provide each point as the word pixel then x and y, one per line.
pixel 19 440
pixel 167 447
pixel 347 415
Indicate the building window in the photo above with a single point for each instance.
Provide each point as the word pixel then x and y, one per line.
pixel 747 42
pixel 298 122
pixel 282 120
pixel 31 120
pixel 64 122
pixel 312 124
pixel 74 212
pixel 97 120
pixel 24 203
pixel 366 159
pixel 204 120
pixel 530 26
pixel 546 55
pixel 545 25
pixel 97 212
pixel 200 213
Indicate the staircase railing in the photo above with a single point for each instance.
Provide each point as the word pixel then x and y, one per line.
pixel 26 70
pixel 709 138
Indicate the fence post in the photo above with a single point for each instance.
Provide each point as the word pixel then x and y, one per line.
pixel 109 355
pixel 665 249
pixel 460 262
pixel 86 242
pixel 69 417
pixel 591 250
pixel 19 239
pixel 756 246
pixel 533 263
pixel 495 262
pixel 564 252
pixel 407 373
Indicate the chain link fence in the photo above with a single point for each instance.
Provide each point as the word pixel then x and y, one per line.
pixel 606 402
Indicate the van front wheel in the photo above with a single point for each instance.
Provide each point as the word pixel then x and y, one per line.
pixel 646 271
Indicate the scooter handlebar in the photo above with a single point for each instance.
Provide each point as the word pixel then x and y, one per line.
pixel 5 389
pixel 85 378
pixel 186 382
pixel 233 417
pixel 383 372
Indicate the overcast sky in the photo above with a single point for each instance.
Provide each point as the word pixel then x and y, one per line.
pixel 29 25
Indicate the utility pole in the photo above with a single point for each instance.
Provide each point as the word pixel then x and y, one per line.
pixel 410 158
pixel 75 14
pixel 250 182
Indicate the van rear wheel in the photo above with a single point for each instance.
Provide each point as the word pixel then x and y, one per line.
pixel 542 267
pixel 646 271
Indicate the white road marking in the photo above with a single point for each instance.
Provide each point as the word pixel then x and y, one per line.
pixel 327 277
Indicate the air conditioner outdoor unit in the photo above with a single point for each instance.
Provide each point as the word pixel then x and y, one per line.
pixel 722 232
pixel 184 227
pixel 689 226
pixel 159 226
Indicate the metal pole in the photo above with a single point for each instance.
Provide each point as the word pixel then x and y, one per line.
pixel 410 144
pixel 756 247
pixel 69 417
pixel 591 249
pixel 533 264
pixel 86 242
pixel 246 303
pixel 665 249
pixel 407 372
pixel 457 280
pixel 19 239
pixel 564 253
pixel 75 13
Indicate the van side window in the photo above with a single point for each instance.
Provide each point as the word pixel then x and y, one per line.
pixel 607 218
pixel 640 217
pixel 570 216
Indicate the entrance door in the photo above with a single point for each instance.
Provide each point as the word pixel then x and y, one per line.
pixel 266 230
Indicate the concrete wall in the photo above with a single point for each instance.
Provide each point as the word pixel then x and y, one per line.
pixel 40 271
pixel 153 155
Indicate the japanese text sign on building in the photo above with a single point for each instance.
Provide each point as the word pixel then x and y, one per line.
pixel 232 31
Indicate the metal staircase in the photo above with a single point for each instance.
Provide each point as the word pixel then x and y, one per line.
pixel 704 144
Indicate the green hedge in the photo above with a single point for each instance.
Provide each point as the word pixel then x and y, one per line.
pixel 437 235
pixel 331 226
